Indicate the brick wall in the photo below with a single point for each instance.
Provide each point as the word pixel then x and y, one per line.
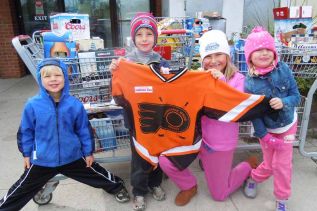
pixel 11 66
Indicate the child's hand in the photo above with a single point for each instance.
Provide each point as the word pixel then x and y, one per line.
pixel 276 103
pixel 165 70
pixel 26 162
pixel 217 74
pixel 114 65
pixel 89 160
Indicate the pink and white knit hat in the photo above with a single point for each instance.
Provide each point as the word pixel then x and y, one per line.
pixel 143 20
pixel 257 40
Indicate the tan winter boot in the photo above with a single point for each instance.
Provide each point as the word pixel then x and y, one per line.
pixel 184 196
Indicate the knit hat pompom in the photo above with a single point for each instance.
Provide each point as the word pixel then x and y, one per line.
pixel 259 39
pixel 257 29
pixel 143 20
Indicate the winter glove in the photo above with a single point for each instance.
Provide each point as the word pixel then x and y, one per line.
pixel 271 142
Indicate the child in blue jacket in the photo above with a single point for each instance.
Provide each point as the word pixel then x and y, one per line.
pixel 54 138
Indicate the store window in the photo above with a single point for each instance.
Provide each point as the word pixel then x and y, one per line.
pixel 108 19
pixel 126 13
pixel 99 16
pixel 36 14
pixel 258 13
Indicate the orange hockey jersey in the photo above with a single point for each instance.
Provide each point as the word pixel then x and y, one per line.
pixel 165 110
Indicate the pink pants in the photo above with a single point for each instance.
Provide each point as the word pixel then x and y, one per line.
pixel 183 179
pixel 221 178
pixel 279 164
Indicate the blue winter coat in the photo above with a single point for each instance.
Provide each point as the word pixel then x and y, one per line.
pixel 54 135
pixel 278 83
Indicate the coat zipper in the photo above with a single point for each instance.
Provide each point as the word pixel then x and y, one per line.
pixel 57 126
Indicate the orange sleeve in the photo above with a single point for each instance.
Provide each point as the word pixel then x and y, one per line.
pixel 227 104
pixel 116 89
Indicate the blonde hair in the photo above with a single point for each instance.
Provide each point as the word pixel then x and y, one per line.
pixel 230 69
pixel 48 69
pixel 251 70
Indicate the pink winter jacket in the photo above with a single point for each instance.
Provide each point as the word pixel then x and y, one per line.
pixel 222 136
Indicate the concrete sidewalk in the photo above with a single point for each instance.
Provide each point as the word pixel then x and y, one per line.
pixel 71 195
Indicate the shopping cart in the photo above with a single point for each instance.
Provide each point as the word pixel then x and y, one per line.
pixel 303 63
pixel 175 43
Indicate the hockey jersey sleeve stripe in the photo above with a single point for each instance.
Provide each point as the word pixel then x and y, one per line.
pixel 144 153
pixel 239 110
pixel 182 150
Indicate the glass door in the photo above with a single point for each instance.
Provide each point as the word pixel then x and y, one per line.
pixel 126 11
pixel 35 14
pixel 99 17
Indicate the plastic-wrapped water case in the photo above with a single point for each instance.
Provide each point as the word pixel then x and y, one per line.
pixel 239 58
pixel 105 133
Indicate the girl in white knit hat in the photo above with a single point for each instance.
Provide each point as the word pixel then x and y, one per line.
pixel 220 138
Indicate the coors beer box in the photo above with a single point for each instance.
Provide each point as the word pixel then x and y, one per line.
pixel 78 24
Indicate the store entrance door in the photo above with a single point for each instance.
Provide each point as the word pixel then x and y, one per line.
pixel 108 19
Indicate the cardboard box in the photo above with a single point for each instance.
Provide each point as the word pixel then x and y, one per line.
pixel 104 58
pixel 294 12
pixel 90 44
pixel 60 46
pixel 281 13
pixel 285 28
pixel 111 52
pixel 307 47
pixel 93 95
pixel 78 24
pixel 306 11
pixel 91 77
pixel 304 59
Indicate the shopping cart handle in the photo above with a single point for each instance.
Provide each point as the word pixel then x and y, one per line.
pixel 23 37
pixel 38 32
pixel 41 31
pixel 175 31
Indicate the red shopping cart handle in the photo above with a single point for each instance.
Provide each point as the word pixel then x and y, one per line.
pixel 175 31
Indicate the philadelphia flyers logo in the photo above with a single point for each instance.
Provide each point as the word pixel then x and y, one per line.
pixel 165 116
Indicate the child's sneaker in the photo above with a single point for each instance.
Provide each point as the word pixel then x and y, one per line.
pixel 122 196
pixel 281 205
pixel 250 188
pixel 158 193
pixel 139 203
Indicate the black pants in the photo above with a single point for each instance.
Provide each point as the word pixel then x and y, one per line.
pixel 34 178
pixel 142 174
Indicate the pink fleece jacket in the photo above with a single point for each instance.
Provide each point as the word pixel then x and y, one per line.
pixel 222 136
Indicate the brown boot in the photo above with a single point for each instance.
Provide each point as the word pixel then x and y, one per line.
pixel 253 161
pixel 184 196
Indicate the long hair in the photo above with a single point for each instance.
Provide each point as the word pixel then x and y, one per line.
pixel 230 69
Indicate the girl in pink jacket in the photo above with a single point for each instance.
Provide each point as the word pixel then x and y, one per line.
pixel 220 138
